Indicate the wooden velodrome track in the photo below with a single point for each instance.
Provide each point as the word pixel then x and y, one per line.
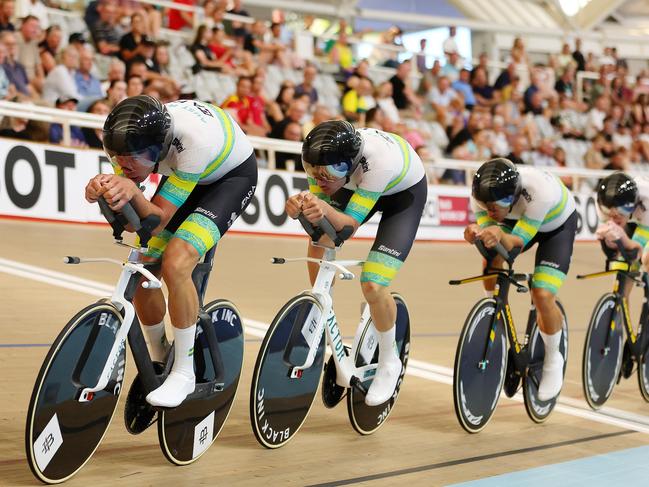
pixel 421 444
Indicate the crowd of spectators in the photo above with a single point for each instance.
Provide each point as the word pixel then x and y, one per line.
pixel 448 108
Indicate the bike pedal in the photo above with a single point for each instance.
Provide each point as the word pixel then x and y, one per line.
pixel 332 393
pixel 358 385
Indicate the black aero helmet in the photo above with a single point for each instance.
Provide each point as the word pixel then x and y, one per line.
pixel 497 180
pixel 618 191
pixel 139 125
pixel 333 143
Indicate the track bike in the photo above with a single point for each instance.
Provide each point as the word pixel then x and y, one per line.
pixel 291 360
pixel 490 357
pixel 81 379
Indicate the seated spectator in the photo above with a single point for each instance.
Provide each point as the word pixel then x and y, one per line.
pixel 239 29
pixel 115 93
pixel 15 128
pixel 7 10
pixel 7 90
pixel 386 103
pixel 440 98
pixel 94 137
pixel 15 71
pixel 77 40
pixel 134 86
pixel 402 93
pixel 116 72
pixel 292 131
pixel 596 116
pixel 131 44
pixel 594 159
pixel 560 161
pixel 56 129
pixel 276 111
pixel 307 87
pixel 451 69
pixel 106 32
pixel 296 111
pixel 620 161
pixel 484 94
pixel 321 113
pixel 241 108
pixel 161 60
pixel 355 102
pixel 28 38
pixel 543 156
pixel 61 80
pixel 35 8
pixel 462 86
pixel 49 47
pixel 180 19
pixel 273 50
pixel 88 85
pixel 519 148
pixel 222 52
pixel 205 58
pixel 341 54
pixel 504 81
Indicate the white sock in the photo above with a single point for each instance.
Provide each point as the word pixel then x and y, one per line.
pixel 156 341
pixel 387 345
pixel 388 370
pixel 184 351
pixel 551 342
pixel 552 376
pixel 181 381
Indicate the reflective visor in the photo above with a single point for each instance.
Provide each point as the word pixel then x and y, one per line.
pixel 144 158
pixel 505 202
pixel 625 210
pixel 332 172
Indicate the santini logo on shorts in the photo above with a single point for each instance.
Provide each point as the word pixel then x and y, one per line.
pixel 385 250
pixel 546 263
pixel 205 212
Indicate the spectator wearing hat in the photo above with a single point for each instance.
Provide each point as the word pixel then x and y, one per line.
pixel 49 48
pixel 7 11
pixel 61 80
pixel 78 40
pixel 28 52
pixel 67 102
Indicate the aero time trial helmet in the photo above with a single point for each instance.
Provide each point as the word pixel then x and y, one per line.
pixel 334 144
pixel 617 191
pixel 497 181
pixel 139 126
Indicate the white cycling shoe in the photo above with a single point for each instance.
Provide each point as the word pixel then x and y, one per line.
pixel 385 382
pixel 552 377
pixel 173 391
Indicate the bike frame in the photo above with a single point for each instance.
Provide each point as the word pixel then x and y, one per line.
pixel 624 277
pixel 121 299
pixel 346 371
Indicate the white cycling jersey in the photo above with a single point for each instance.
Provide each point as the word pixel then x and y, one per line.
pixel 207 144
pixel 543 206
pixel 389 165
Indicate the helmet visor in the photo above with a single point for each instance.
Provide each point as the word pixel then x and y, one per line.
pixel 148 157
pixel 625 210
pixel 332 172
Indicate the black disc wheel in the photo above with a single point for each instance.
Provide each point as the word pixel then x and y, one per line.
pixel 279 403
pixel 480 365
pixel 367 419
pixel 602 352
pixel 62 433
pixel 187 431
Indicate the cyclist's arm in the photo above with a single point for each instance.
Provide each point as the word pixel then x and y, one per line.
pixel 174 192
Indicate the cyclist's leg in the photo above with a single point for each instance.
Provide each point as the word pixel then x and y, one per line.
pixel 394 238
pixel 215 209
pixel 552 263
